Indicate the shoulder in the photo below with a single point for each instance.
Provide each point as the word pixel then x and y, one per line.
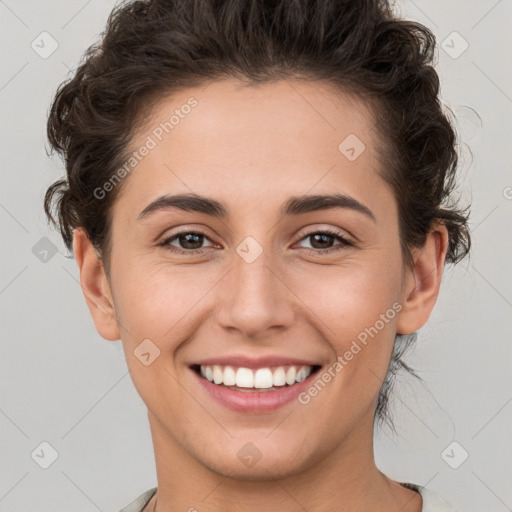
pixel 140 502
pixel 432 502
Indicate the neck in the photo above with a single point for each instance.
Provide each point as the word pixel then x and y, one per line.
pixel 345 479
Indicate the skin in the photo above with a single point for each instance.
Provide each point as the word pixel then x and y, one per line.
pixel 253 147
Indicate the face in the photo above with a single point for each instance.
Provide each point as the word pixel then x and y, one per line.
pixel 264 278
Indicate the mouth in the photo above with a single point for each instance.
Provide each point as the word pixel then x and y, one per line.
pixel 269 379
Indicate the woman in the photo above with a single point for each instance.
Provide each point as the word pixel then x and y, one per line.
pixel 258 200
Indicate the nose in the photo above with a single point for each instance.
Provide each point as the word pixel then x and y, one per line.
pixel 253 297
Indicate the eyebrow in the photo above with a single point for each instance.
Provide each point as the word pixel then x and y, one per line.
pixel 293 206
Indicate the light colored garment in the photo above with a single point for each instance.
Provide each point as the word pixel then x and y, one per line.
pixel 432 502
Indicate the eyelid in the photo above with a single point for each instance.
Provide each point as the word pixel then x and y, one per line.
pixel 333 231
pixel 184 229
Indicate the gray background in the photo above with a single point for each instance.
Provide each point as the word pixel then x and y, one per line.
pixel 61 383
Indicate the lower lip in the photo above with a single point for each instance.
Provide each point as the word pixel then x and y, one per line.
pixel 254 401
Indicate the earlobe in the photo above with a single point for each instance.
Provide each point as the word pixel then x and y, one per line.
pixel 422 282
pixel 95 286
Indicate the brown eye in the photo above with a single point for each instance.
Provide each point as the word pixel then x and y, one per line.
pixel 321 241
pixel 188 241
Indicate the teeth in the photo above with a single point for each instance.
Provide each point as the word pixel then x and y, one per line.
pixel 290 375
pixel 244 378
pixel 303 373
pixel 229 377
pixel 262 378
pixel 217 374
pixel 279 377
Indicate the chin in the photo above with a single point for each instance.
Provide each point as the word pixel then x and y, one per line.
pixel 263 470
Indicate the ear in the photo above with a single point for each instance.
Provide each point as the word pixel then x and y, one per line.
pixel 422 282
pixel 95 286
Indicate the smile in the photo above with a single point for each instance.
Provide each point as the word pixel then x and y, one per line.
pixel 253 390
pixel 262 378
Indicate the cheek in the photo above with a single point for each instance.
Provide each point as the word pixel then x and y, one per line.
pixel 156 300
pixel 357 318
pixel 153 303
pixel 355 308
pixel 350 296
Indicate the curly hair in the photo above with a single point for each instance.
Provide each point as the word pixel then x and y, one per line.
pixel 151 49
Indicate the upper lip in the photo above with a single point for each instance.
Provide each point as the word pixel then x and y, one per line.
pixel 243 361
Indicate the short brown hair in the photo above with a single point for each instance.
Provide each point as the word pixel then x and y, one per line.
pixel 152 48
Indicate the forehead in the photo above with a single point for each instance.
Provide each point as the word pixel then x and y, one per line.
pixel 253 141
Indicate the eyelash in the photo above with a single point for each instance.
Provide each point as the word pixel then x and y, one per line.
pixel 345 242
